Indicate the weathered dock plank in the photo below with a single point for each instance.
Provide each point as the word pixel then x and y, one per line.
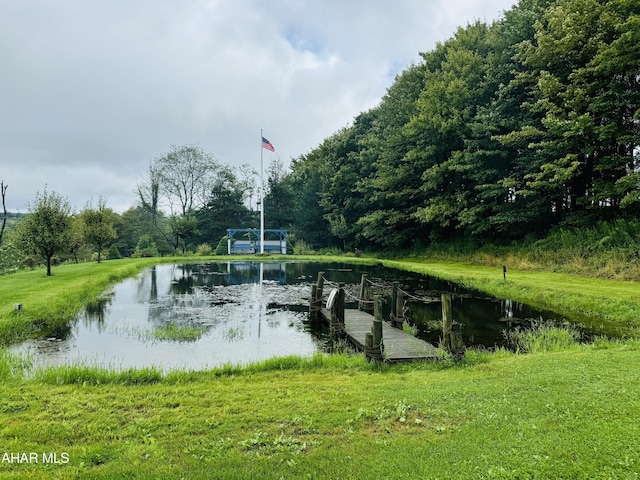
pixel 397 344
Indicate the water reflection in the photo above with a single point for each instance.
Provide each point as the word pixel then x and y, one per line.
pixel 189 316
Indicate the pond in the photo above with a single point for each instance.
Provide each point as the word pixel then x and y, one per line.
pixel 198 316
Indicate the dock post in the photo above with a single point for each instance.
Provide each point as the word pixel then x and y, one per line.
pixel 395 322
pixel 363 291
pixel 340 305
pixel 451 340
pixel 336 323
pixel 447 321
pixel 373 341
pixel 314 310
pixel 320 285
pixel 399 311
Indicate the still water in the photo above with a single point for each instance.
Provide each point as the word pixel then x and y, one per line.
pixel 240 312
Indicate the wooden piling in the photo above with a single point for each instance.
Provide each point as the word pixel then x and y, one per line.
pixel 314 306
pixel 447 321
pixel 320 285
pixel 397 312
pixel 373 340
pixel 397 306
pixel 336 323
pixel 451 337
pixel 364 291
pixel 340 304
pixel 400 307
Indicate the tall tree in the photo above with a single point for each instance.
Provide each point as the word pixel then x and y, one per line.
pixel 307 181
pixel 179 181
pixel 278 201
pixel 185 175
pixel 585 58
pixel 43 231
pixel 392 189
pixel 225 207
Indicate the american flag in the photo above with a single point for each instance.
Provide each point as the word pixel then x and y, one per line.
pixel 267 144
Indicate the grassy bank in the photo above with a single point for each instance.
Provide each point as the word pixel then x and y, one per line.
pixel 609 250
pixel 570 414
pixel 611 305
pixel 49 302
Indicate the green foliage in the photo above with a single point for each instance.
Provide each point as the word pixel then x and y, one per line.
pixel 204 250
pixel 223 246
pixel 225 207
pixel 543 337
pixel 44 231
pixel 503 131
pixel 114 253
pixel 98 226
pixel 146 247
pixel 11 257
pixel 178 333
pixel 300 247
pixel 87 375
pixel 12 366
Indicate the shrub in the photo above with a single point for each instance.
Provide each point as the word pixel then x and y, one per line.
pixel 221 249
pixel 301 248
pixel 114 253
pixel 204 250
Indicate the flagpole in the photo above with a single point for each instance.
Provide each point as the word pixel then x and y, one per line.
pixel 261 198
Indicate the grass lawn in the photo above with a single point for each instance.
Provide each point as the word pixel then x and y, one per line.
pixel 571 414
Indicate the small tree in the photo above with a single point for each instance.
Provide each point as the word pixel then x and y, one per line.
pixel 98 226
pixel 75 236
pixel 44 231
pixel 113 253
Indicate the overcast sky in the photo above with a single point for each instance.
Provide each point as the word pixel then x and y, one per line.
pixel 92 91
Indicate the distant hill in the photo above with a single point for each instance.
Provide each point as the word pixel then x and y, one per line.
pixel 12 218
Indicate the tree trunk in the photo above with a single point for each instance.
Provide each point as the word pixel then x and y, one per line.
pixel 3 193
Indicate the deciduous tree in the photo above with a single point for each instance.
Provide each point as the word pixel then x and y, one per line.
pixel 44 231
pixel 98 226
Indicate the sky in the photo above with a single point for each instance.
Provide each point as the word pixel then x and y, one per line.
pixel 91 92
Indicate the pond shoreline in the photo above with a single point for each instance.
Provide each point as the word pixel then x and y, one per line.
pixel 51 302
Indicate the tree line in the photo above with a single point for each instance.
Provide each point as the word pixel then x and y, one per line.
pixel 185 203
pixel 503 131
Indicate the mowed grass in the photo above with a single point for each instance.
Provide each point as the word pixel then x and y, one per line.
pixel 49 302
pixel 570 414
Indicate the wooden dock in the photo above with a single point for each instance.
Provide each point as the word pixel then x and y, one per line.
pixel 380 340
pixel 397 345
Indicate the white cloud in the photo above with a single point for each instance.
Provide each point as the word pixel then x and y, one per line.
pixel 92 91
